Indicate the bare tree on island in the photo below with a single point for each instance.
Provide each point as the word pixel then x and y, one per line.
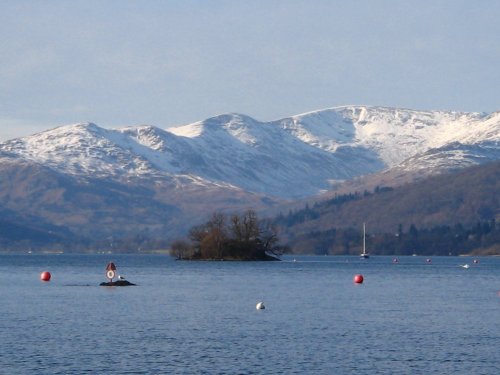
pixel 242 237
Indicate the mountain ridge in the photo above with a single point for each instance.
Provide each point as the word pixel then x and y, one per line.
pixel 268 158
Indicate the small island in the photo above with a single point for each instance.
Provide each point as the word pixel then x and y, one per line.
pixel 238 237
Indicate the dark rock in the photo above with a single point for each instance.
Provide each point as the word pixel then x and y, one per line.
pixel 117 283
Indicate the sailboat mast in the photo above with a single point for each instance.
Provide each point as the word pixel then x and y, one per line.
pixel 364 254
pixel 364 238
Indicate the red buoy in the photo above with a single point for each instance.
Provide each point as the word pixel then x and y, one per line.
pixel 45 276
pixel 358 279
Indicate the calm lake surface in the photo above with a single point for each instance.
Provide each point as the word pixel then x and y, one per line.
pixel 413 317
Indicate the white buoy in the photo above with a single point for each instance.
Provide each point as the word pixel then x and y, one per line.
pixel 260 306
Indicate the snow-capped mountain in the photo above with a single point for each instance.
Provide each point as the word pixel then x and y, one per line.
pixel 289 158
pixel 85 183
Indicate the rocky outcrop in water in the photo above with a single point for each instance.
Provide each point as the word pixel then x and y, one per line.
pixel 117 283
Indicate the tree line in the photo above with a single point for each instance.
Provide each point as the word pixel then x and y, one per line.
pixel 295 217
pixel 481 238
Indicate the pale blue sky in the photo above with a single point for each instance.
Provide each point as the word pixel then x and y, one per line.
pixel 167 63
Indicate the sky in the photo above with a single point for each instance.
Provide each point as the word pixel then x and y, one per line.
pixel 165 63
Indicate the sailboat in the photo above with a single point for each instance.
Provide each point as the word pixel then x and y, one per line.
pixel 364 254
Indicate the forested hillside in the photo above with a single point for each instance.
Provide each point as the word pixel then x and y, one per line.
pixel 452 213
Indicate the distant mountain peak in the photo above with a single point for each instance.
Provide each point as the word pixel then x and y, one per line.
pixel 80 126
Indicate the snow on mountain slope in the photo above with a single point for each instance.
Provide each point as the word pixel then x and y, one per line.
pixel 394 134
pixel 262 157
pixel 78 149
pixel 288 158
pixel 89 150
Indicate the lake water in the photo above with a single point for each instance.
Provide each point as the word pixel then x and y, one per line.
pixel 413 317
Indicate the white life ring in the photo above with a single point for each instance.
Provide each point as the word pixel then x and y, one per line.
pixel 110 274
